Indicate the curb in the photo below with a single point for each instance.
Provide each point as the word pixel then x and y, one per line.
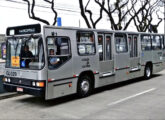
pixel 9 95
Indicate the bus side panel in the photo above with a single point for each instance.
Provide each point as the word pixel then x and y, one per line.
pixel 136 73
pixel 157 60
pixel 146 56
pixel 61 88
pixel 86 63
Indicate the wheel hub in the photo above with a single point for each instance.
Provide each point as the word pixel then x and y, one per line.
pixel 148 72
pixel 85 86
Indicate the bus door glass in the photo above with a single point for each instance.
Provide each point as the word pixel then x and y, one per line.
pixel 105 55
pixel 133 50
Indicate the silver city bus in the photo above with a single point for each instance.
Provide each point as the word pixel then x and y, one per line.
pixel 57 61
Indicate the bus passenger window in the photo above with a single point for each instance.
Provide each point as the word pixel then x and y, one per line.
pixel 108 48
pixel 156 43
pixel 146 42
pixel 121 43
pixel 135 46
pixel 86 43
pixel 130 45
pixel 100 45
pixel 58 51
pixel 163 42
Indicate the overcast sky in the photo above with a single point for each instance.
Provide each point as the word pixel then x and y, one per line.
pixel 13 14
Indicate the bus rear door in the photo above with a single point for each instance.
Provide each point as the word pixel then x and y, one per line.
pixel 106 59
pixel 134 56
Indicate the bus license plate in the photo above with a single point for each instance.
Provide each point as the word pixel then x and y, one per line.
pixel 19 89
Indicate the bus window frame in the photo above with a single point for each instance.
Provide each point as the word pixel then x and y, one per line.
pixel 126 40
pixel 58 55
pixel 94 43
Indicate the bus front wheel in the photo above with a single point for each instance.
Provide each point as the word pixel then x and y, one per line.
pixel 148 72
pixel 84 86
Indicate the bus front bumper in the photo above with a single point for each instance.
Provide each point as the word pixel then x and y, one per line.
pixel 40 92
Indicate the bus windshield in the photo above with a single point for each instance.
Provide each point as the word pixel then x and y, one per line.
pixel 25 52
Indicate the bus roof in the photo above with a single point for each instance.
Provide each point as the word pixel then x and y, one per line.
pixel 37 28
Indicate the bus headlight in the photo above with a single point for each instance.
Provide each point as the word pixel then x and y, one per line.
pixel 33 83
pixel 8 80
pixel 40 84
pixel 4 79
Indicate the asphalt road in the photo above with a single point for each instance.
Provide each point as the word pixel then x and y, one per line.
pixel 1 85
pixel 134 99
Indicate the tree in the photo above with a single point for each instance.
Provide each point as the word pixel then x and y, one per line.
pixel 32 15
pixel 117 8
pixel 143 21
pixel 91 23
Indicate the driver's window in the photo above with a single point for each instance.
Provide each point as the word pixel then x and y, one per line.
pixel 32 46
pixel 58 51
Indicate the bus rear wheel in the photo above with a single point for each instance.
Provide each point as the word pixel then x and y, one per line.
pixel 84 86
pixel 148 72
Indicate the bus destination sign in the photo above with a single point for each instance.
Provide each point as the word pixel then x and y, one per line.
pixel 20 30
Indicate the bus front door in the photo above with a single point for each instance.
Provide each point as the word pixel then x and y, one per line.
pixel 134 56
pixel 106 59
pixel 60 72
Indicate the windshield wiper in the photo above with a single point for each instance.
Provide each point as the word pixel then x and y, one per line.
pixel 16 41
pixel 15 46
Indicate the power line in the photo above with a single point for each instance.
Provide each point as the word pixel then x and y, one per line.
pixel 42 6
pixel 26 9
pixel 68 10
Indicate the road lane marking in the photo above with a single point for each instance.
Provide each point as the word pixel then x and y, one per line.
pixel 130 97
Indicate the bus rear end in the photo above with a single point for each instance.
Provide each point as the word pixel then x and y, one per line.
pixel 24 70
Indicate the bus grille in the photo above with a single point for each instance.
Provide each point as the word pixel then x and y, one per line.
pixel 19 81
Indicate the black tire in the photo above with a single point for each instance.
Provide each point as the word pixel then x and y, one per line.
pixel 148 72
pixel 84 86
